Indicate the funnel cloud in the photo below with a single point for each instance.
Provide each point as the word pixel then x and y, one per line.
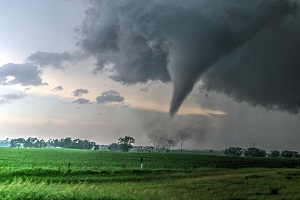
pixel 248 50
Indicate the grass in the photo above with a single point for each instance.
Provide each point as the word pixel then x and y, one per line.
pixel 43 174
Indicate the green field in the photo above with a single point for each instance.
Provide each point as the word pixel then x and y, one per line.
pixel 86 174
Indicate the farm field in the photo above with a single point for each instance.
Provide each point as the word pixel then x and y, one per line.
pixel 85 174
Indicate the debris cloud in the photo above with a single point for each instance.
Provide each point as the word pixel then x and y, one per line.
pixel 164 132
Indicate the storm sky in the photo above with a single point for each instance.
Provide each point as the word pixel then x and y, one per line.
pixel 210 74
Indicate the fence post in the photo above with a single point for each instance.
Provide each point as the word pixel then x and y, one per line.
pixel 142 159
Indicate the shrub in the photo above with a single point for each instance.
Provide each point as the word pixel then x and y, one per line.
pixel 255 152
pixel 275 154
pixel 233 151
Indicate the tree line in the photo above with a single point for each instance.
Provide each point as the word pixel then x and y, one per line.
pixel 123 144
pixel 256 152
pixel 68 142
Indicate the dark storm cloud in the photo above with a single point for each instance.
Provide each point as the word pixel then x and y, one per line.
pixel 248 50
pixel 24 74
pixel 58 88
pixel 82 101
pixel 80 92
pixel 267 76
pixel 8 98
pixel 109 97
pixel 44 59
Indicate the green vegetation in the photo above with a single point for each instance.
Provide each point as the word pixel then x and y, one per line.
pixel 68 142
pixel 126 143
pixel 86 174
pixel 233 151
pixel 256 152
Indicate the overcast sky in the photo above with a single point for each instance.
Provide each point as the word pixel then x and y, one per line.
pixel 206 73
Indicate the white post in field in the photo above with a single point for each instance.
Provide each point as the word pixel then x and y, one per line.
pixel 142 162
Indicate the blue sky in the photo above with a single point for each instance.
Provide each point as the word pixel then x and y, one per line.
pixel 49 109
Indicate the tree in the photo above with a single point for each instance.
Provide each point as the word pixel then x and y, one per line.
pixel 17 142
pixel 96 147
pixel 255 152
pixel 114 147
pixel 77 144
pixel 233 151
pixel 275 154
pixel 290 154
pixel 56 143
pixel 67 142
pixel 31 142
pixel 87 144
pixel 126 143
